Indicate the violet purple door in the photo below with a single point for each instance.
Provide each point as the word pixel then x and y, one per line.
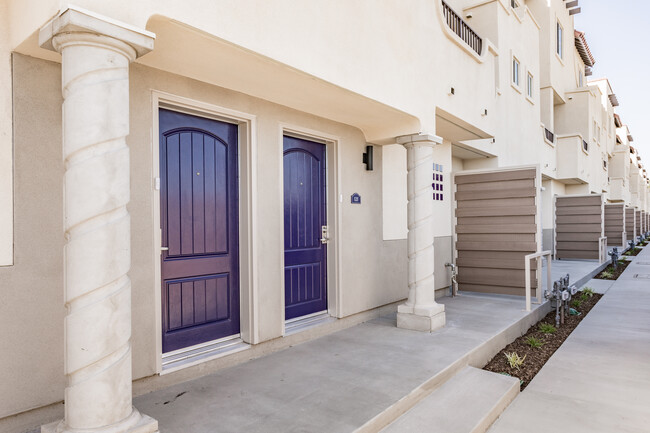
pixel 305 212
pixel 199 222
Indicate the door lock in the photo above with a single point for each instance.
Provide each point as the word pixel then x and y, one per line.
pixel 324 235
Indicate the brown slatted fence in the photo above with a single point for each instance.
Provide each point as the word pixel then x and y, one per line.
pixel 639 224
pixel 496 226
pixel 579 224
pixel 615 224
pixel 630 223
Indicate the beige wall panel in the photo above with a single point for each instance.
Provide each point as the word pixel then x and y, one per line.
pixel 496 226
pixel 574 237
pixel 496 176
pixel 32 310
pixel 500 289
pixel 579 224
pixel 499 203
pixel 579 201
pixel 614 223
pixel 571 254
pixel 528 210
pixel 494 263
pixel 577 210
pixel 497 186
pixel 486 220
pixel 630 223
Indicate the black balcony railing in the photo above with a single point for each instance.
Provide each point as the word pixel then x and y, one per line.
pixel 549 135
pixel 460 27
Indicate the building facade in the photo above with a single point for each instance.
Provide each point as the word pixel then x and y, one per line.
pixel 184 181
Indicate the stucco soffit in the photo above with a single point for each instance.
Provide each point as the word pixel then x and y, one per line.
pixel 75 19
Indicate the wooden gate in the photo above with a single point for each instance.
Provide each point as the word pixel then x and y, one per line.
pixel 497 225
pixel 630 224
pixel 579 226
pixel 615 224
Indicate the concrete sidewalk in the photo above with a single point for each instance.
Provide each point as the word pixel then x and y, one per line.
pixel 599 380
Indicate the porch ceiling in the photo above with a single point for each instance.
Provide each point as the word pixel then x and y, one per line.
pixel 186 51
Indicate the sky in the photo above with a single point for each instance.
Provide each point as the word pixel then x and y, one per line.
pixel 617 32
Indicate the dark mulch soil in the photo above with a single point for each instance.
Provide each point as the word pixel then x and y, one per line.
pixel 537 357
pixel 615 273
pixel 633 252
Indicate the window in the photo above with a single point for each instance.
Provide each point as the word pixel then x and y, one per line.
pixel 514 4
pixel 580 79
pixel 515 71
pixel 595 130
pixel 559 39
pixel 529 86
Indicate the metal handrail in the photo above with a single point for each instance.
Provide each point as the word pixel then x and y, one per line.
pixel 460 27
pixel 538 293
pixel 602 249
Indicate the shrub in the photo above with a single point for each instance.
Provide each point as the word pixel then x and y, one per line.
pixel 534 342
pixel 588 291
pixel 547 328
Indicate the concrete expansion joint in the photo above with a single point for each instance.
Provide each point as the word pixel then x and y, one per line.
pixel 76 232
pixel 100 294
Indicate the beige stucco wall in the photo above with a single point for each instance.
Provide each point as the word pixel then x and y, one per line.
pixel 32 310
pixel 6 143
pixel 372 271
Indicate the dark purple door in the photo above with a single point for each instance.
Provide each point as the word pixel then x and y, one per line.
pixel 305 210
pixel 199 219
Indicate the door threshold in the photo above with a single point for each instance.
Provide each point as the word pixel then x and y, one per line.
pixel 299 324
pixel 189 356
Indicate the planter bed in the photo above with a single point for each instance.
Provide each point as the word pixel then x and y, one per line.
pixel 609 273
pixel 536 357
pixel 633 252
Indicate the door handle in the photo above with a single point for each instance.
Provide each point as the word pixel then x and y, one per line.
pixel 164 248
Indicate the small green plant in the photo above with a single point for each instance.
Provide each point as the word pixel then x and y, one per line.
pixel 515 360
pixel 547 328
pixel 588 291
pixel 534 342
pixel 576 303
pixel 607 275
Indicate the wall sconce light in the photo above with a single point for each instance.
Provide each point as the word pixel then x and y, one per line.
pixel 367 158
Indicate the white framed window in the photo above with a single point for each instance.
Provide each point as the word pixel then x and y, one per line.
pixel 580 79
pixel 529 85
pixel 559 38
pixel 515 71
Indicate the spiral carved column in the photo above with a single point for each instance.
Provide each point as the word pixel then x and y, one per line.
pixel 420 312
pixel 97 253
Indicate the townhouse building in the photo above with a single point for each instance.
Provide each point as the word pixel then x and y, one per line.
pixel 182 181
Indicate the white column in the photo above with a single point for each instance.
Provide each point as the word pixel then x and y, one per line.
pixel 96 53
pixel 420 312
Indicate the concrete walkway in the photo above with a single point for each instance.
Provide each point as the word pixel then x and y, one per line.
pixel 599 380
pixel 361 377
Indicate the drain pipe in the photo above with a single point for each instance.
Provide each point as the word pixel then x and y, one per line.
pixel 453 287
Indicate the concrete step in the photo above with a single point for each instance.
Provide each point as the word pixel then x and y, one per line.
pixel 469 402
